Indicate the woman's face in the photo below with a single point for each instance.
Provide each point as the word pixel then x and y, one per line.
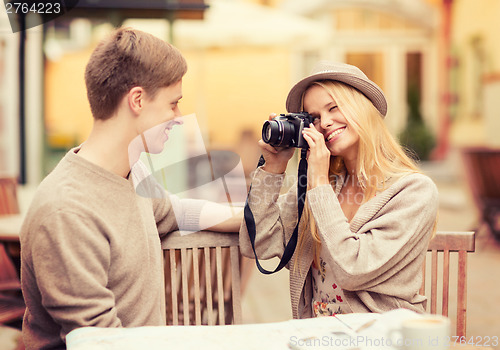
pixel 340 138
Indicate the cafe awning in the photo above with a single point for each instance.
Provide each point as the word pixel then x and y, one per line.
pixel 240 23
pixel 174 9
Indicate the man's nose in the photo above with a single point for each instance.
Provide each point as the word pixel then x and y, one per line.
pixel 178 119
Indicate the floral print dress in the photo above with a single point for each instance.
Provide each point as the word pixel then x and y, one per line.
pixel 328 297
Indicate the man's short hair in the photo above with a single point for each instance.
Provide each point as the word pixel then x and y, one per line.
pixel 129 58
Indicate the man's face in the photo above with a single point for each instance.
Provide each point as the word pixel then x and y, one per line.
pixel 159 115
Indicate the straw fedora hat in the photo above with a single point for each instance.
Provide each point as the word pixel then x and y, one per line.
pixel 344 73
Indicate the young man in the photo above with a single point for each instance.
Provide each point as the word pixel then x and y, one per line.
pixel 91 253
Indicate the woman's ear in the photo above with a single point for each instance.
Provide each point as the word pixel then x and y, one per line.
pixel 135 99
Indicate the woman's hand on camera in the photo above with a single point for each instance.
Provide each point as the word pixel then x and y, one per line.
pixel 276 157
pixel 318 157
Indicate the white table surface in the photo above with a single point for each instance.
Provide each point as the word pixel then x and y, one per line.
pixel 10 225
pixel 316 333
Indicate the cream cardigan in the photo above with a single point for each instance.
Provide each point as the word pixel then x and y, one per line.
pixel 376 258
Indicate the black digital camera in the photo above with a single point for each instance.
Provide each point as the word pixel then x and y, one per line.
pixel 286 130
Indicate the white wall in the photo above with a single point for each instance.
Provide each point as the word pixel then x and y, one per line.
pixel 491 104
pixel 9 101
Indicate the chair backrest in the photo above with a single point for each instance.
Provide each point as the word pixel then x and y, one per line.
pixel 482 170
pixel 448 244
pixel 11 302
pixel 8 196
pixel 482 166
pixel 202 278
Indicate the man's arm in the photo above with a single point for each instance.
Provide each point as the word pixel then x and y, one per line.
pixel 71 260
pixel 221 218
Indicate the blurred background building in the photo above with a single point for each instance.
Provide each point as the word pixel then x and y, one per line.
pixel 437 61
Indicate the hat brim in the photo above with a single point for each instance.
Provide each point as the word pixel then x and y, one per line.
pixel 370 90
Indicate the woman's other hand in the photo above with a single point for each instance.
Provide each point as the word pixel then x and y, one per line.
pixel 318 158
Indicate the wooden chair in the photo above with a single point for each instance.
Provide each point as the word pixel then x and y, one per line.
pixel 448 244
pixel 202 278
pixel 482 169
pixel 8 196
pixel 11 301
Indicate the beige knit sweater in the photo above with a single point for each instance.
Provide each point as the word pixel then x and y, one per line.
pixel 91 253
pixel 376 258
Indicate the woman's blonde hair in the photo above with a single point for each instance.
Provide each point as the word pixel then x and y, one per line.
pixel 380 156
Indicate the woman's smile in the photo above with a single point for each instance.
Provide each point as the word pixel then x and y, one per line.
pixel 332 136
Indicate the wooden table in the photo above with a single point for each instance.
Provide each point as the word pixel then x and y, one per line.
pixel 340 332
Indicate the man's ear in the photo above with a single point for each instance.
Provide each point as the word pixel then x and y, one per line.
pixel 135 98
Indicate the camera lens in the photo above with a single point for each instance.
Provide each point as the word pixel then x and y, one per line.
pixel 279 133
pixel 268 133
pixel 272 131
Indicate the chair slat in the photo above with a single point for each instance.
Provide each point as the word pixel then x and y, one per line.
pixel 173 283
pixel 203 239
pixel 185 288
pixel 226 261
pixel 220 284
pixel 462 294
pixel 422 288
pixel 196 280
pixel 236 292
pixel 446 281
pixel 434 270
pixel 208 273
pixel 453 241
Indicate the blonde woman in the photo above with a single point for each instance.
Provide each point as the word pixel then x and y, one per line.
pixel 369 212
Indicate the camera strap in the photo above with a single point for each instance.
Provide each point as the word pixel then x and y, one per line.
pixel 301 196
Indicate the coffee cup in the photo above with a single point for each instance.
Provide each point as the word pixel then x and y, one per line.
pixel 422 333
